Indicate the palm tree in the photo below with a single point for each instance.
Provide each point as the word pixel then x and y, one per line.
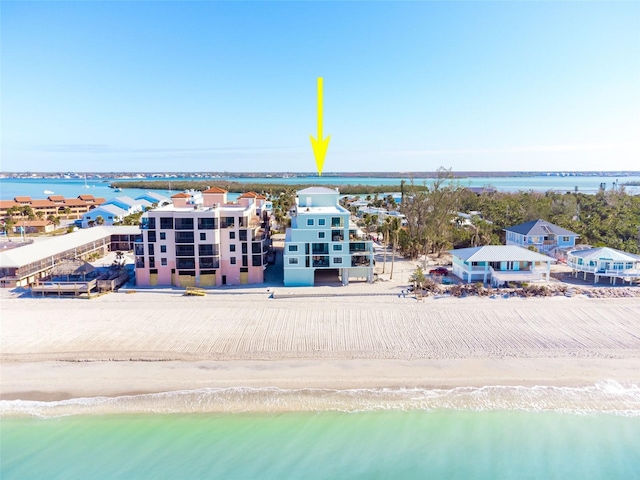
pixel 99 220
pixel 394 230
pixel 67 212
pixel 384 229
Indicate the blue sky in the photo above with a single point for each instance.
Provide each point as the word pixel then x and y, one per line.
pixel 408 86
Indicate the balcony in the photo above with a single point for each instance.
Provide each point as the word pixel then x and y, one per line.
pixel 320 249
pixel 360 261
pixel 359 247
pixel 320 261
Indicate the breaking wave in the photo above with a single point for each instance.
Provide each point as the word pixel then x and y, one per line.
pixel 608 397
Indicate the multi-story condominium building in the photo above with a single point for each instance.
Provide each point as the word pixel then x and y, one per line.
pixel 321 239
pixel 202 240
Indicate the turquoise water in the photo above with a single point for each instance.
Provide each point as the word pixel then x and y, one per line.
pixel 449 444
pixel 494 432
pixel 35 187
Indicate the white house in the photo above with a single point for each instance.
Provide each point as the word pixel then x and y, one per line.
pixel 110 214
pixel 500 264
pixel 542 235
pixel 605 262
pixel 321 239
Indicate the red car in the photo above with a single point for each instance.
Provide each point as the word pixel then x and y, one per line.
pixel 439 271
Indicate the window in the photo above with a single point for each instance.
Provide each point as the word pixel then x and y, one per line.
pixel 184 237
pixel 309 221
pixel 151 223
pixel 293 261
pixel 207 250
pixel 243 236
pixel 232 248
pixel 151 235
pixel 320 234
pixel 184 224
pixel 227 222
pixel 207 223
pixel 321 221
pixel 184 251
pixel 293 248
pixel 209 262
pixel 166 223
pixel 152 262
pixel 151 249
pixel 185 263
pixel 256 260
pixel 203 236
pixel 245 260
pixel 163 249
pixel 337 248
pixel 163 262
pixel 337 260
pixel 256 248
pixel 232 260
pixel 336 222
pixel 232 235
pixel 565 239
pixel 244 248
pixel 163 236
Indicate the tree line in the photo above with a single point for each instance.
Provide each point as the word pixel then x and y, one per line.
pixel 609 218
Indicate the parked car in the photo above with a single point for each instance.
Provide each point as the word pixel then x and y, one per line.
pixel 439 271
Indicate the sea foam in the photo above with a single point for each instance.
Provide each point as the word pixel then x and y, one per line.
pixel 608 397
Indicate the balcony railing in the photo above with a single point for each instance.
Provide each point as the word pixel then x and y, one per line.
pixel 320 261
pixel 360 261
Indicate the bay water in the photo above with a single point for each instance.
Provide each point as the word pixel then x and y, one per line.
pixel 35 187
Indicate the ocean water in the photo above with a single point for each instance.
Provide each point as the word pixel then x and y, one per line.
pixel 466 433
pixel 35 187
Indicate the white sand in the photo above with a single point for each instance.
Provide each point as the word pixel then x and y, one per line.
pixel 154 341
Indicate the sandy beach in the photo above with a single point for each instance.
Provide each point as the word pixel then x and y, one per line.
pixel 340 338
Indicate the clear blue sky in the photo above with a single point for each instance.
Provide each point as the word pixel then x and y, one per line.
pixel 215 86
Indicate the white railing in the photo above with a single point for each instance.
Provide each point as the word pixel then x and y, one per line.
pixel 629 272
pixel 582 268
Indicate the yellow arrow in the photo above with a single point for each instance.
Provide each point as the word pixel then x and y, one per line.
pixel 320 145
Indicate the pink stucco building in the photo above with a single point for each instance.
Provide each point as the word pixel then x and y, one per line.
pixel 200 239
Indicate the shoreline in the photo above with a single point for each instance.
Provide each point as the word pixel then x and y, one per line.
pixel 58 381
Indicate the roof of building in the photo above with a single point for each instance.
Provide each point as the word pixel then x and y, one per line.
pixel 86 197
pixel 34 223
pixel 499 253
pixel 249 195
pixel 214 190
pixel 33 252
pixel 605 253
pixel 127 201
pixel 153 195
pixel 540 227
pixel 181 195
pixel 109 208
pixel 52 202
pixel 317 190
